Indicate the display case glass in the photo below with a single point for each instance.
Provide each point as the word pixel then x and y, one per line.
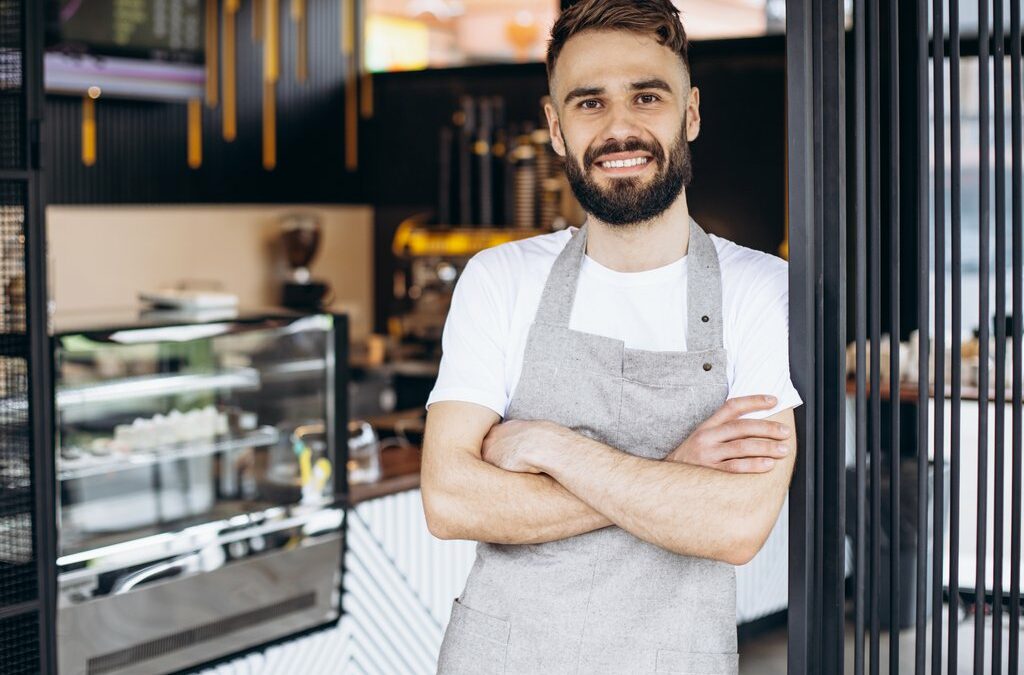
pixel 187 449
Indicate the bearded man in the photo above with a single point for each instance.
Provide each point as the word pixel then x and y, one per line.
pixel 612 421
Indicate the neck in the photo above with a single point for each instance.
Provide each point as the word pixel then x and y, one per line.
pixel 643 246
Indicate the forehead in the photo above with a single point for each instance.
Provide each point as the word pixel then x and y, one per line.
pixel 612 60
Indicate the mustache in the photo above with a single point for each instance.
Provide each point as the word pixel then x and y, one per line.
pixel 629 145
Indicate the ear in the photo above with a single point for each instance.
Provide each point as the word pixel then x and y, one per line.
pixel 555 129
pixel 693 115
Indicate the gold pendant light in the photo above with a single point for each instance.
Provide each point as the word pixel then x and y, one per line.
pixel 195 133
pixel 89 127
pixel 211 53
pixel 271 72
pixel 257 20
pixel 229 107
pixel 299 18
pixel 348 41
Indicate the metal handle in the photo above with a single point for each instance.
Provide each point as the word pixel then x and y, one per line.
pixel 205 560
pixel 127 583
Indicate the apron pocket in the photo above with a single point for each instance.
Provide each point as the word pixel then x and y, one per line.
pixel 696 663
pixel 474 643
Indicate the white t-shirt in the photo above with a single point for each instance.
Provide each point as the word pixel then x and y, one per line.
pixel 496 299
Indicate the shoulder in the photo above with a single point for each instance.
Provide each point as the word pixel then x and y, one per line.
pixel 749 273
pixel 509 265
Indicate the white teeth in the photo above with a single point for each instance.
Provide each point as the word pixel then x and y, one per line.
pixel 623 163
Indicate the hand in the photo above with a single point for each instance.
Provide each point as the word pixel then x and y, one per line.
pixel 512 445
pixel 727 443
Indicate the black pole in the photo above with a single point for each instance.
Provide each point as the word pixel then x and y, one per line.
pixel 984 214
pixel 875 318
pixel 939 332
pixel 801 94
pixel 923 273
pixel 999 459
pixel 1017 247
pixel 860 322
pixel 894 333
pixel 833 336
pixel 956 310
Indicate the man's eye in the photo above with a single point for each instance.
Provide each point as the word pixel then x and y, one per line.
pixel 590 104
pixel 648 98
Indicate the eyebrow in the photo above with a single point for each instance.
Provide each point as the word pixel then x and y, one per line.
pixel 653 83
pixel 584 92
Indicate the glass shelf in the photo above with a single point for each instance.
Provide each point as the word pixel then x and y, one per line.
pixel 94 465
pixel 151 386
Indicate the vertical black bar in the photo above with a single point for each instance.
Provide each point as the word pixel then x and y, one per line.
pixel 339 385
pixel 983 328
pixel 875 318
pixel 41 396
pixel 860 322
pixel 1017 247
pixel 339 374
pixel 998 51
pixel 833 340
pixel 820 601
pixel 939 331
pixel 956 310
pixel 894 336
pixel 923 273
pixel 801 94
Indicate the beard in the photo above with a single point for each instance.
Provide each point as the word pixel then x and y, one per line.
pixel 630 201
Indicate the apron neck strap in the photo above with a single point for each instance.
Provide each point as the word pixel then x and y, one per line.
pixel 560 290
pixel 703 294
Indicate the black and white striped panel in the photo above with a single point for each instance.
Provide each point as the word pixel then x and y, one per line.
pixel 399 585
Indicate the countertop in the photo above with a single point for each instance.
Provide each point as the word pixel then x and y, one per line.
pixel 400 471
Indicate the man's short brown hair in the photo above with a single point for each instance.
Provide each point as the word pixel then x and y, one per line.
pixel 657 18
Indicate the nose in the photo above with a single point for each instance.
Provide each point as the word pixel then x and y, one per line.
pixel 622 124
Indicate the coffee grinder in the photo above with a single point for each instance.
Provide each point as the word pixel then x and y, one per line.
pixel 300 239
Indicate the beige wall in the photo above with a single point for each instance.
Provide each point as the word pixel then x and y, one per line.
pixel 102 256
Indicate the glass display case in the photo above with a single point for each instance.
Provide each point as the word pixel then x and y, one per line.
pixel 200 485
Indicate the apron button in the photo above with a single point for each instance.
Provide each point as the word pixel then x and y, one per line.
pixel 707 366
pixel 705 318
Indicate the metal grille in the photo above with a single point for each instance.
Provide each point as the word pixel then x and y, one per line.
pixel 19 645
pixel 17 567
pixel 12 99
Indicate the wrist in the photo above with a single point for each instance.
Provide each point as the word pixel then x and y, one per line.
pixel 552 448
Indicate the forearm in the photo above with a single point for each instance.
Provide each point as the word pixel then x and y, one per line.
pixel 683 508
pixel 471 499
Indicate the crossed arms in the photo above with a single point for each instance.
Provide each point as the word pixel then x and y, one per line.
pixel 716 496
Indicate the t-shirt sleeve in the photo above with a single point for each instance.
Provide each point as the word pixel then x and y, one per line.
pixel 473 342
pixel 762 346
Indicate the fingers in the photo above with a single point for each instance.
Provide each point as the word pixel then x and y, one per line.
pixel 753 447
pixel 748 465
pixel 741 405
pixel 744 428
pixel 719 455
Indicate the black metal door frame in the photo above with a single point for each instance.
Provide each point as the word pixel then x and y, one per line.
pixel 41 383
pixel 24 340
pixel 865 193
pixel 817 221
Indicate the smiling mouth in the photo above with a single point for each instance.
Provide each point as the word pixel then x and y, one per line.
pixel 624 163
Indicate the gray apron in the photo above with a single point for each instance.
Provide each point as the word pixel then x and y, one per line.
pixel 606 601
